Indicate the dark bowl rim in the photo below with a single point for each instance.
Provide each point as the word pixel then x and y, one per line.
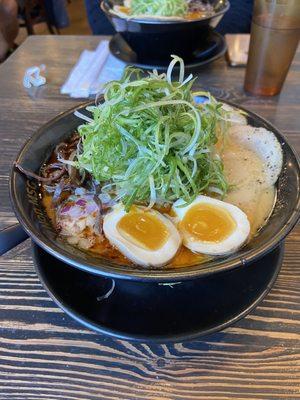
pixel 113 270
pixel 107 10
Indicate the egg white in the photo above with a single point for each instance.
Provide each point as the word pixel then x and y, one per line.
pixel 227 246
pixel 135 253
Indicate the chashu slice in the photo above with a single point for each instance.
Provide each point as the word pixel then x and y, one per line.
pixel 265 144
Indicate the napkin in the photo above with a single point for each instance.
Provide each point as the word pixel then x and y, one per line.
pixel 92 70
pixel 32 76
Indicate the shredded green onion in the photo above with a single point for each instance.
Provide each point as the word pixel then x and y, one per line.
pixel 164 8
pixel 150 142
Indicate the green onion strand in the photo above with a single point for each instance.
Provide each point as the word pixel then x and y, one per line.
pixel 150 142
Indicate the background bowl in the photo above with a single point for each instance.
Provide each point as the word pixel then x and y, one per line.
pixel 157 39
pixel 26 202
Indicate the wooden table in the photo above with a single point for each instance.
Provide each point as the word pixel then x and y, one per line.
pixel 46 355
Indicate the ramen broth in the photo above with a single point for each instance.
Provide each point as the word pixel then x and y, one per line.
pixel 243 169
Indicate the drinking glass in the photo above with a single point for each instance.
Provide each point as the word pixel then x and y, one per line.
pixel 275 34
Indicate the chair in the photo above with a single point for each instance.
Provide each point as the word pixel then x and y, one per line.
pixel 33 12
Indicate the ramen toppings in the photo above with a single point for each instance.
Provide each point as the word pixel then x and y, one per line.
pixel 164 9
pixel 146 237
pixel 79 220
pixel 211 226
pixel 158 180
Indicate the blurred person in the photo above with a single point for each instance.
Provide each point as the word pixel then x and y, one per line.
pixel 9 26
pixel 236 20
pixel 53 12
pixel 99 24
pixel 57 13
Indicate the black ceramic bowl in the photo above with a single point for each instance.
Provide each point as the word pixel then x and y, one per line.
pixel 151 311
pixel 156 39
pixel 25 199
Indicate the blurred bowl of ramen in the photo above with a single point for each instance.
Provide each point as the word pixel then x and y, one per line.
pixel 155 37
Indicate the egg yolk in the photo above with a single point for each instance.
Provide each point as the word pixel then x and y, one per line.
pixel 208 223
pixel 143 229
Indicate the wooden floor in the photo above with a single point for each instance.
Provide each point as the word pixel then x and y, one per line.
pixel 78 23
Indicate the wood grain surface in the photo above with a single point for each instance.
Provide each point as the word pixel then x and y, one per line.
pixel 46 355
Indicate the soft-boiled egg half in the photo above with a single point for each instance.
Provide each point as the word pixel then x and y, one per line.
pixel 211 226
pixel 144 236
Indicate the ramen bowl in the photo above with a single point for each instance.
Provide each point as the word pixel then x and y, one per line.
pixel 155 39
pixel 26 201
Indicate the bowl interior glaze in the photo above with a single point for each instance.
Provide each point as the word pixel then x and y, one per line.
pixel 26 202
